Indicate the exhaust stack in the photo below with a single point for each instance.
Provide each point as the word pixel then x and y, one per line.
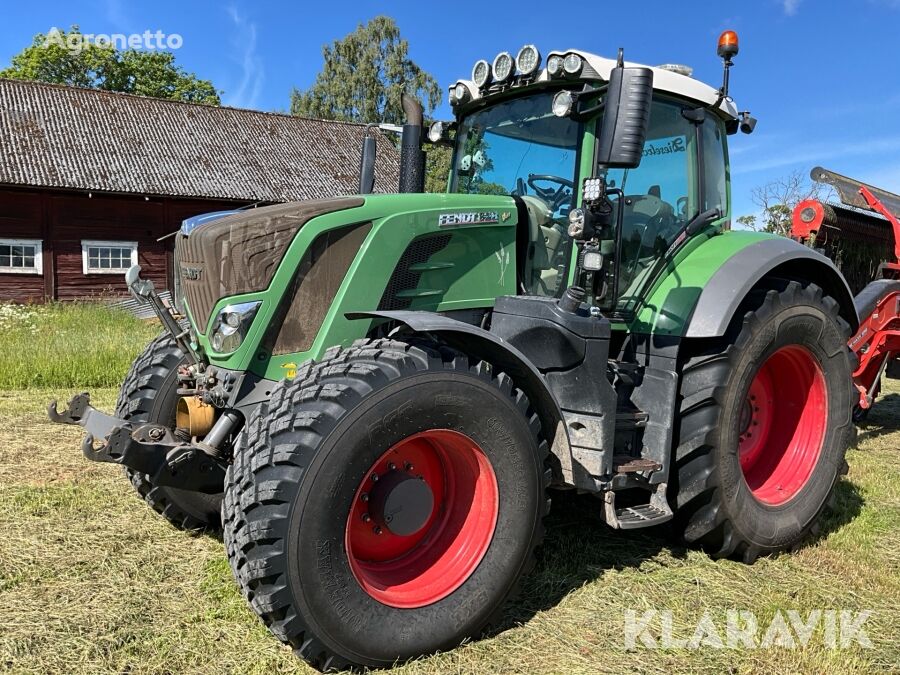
pixel 412 157
pixel 367 163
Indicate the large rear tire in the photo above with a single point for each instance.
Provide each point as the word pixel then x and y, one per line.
pixel 765 422
pixel 385 503
pixel 149 394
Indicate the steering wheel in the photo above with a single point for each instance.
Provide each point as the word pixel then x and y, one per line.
pixel 555 197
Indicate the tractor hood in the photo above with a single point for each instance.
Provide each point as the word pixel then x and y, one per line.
pixel 290 274
pixel 240 253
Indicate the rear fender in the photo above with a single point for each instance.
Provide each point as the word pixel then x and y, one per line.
pixel 779 258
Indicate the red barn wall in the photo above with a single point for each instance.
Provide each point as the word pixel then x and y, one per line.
pixel 62 219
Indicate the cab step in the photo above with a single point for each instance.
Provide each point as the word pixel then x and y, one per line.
pixel 655 512
pixel 629 464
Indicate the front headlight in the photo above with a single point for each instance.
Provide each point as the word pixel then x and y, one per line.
pixel 231 326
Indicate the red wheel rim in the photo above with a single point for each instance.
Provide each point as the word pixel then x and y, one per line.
pixel 406 551
pixel 783 425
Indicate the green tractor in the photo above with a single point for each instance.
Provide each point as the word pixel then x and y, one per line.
pixel 376 394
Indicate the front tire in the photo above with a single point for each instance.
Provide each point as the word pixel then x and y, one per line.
pixel 384 504
pixel 765 422
pixel 150 394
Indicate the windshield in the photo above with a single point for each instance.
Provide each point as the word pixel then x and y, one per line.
pixel 518 147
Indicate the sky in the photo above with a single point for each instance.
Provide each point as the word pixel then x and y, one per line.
pixel 821 76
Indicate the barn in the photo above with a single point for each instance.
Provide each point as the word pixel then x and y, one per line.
pixel 92 182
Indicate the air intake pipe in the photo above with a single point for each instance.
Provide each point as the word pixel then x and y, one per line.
pixel 412 157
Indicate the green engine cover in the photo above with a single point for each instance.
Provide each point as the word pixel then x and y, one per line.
pixel 468 261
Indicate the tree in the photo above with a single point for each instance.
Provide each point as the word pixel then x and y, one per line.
pixel 70 58
pixel 364 75
pixel 776 201
pixel 438 159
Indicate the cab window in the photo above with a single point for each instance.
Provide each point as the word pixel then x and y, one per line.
pixel 661 196
pixel 715 169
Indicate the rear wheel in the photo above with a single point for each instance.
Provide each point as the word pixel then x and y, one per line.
pixel 765 423
pixel 150 394
pixel 384 504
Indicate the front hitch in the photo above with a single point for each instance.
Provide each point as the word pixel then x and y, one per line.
pixel 148 448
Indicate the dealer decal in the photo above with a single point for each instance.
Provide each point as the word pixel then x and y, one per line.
pixel 666 147
pixel 467 218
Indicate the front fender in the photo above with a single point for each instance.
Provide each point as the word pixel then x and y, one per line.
pixel 486 346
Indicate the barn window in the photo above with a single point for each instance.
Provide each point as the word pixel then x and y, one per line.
pixel 108 257
pixel 20 256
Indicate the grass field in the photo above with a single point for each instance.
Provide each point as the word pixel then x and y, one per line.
pixel 92 581
pixel 70 345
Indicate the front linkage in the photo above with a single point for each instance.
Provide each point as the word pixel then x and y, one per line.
pixel 169 459
pixel 151 449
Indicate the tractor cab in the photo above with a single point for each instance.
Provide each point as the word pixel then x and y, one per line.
pixel 538 134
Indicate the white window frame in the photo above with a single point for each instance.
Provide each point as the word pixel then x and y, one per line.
pixel 95 243
pixel 38 257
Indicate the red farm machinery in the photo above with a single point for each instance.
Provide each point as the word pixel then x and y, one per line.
pixel 862 236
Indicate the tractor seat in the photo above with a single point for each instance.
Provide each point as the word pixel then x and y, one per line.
pixel 870 296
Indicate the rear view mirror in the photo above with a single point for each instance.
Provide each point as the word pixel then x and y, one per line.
pixel 626 116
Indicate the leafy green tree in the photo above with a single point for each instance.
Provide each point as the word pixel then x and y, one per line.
pixel 748 221
pixel 363 77
pixel 67 57
pixel 437 167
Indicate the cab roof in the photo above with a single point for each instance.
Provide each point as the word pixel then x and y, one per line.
pixel 598 68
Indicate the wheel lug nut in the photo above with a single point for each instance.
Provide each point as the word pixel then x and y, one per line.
pixel 364 497
pixel 366 517
pixel 392 466
pixel 374 477
pixel 408 466
pixel 376 530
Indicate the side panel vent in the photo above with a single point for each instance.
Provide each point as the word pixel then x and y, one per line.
pixel 404 278
pixel 314 287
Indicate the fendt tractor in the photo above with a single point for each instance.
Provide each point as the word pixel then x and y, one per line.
pixel 375 395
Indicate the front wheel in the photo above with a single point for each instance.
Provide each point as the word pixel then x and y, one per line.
pixel 384 504
pixel 765 422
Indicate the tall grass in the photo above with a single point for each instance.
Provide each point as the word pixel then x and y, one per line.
pixel 72 345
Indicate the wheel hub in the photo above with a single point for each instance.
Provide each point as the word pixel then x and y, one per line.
pixel 401 503
pixel 422 518
pixel 782 425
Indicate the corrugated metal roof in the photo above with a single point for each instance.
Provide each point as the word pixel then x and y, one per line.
pixel 69 137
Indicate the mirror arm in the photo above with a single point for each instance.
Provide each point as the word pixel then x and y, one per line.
pixel 583 115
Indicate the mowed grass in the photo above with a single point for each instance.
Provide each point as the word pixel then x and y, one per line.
pixel 92 581
pixel 68 344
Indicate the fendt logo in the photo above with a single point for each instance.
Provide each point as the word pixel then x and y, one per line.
pixel 467 218
pixel 191 273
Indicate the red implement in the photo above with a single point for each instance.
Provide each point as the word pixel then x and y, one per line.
pixel 877 340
